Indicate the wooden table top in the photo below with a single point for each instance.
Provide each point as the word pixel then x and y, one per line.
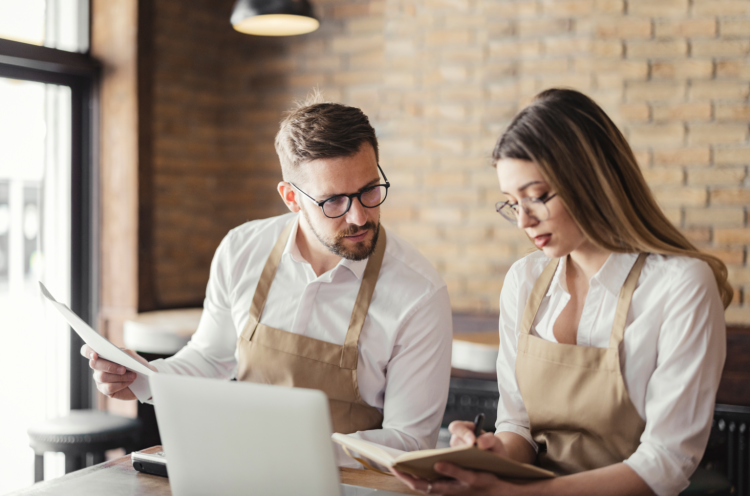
pixel 119 478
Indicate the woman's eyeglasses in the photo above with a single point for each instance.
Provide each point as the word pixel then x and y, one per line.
pixel 536 208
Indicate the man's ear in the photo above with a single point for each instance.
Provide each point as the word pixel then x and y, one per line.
pixel 289 195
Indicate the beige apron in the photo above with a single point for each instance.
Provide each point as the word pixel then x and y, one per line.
pixel 273 356
pixel 575 396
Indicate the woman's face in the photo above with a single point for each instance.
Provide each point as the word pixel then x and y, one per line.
pixel 558 235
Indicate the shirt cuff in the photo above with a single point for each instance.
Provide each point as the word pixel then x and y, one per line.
pixel 141 388
pixel 665 475
pixel 521 431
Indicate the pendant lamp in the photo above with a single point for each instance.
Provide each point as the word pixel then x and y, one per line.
pixel 273 17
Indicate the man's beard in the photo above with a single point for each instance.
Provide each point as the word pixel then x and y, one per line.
pixel 361 250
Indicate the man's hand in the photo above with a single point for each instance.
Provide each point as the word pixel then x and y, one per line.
pixel 112 379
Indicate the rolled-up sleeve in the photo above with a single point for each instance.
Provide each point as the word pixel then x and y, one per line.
pixel 211 350
pixel 681 393
pixel 418 381
pixel 511 412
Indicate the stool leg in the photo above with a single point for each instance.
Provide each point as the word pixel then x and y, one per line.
pixel 74 462
pixel 38 468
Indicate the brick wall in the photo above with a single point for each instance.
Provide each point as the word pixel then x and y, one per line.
pixel 440 79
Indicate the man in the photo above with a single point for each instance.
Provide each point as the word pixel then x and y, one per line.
pixel 323 297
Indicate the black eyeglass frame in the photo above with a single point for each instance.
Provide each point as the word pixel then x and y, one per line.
pixel 499 206
pixel 351 197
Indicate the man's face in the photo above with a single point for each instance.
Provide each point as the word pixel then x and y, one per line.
pixel 352 236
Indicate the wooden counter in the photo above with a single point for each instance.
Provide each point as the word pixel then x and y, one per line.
pixel 119 478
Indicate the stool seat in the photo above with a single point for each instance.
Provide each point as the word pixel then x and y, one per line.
pixel 164 332
pixel 80 433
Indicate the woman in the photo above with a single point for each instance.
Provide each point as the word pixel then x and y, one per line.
pixel 612 336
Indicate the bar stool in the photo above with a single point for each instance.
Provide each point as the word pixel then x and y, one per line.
pixel 706 482
pixel 83 436
pixel 153 335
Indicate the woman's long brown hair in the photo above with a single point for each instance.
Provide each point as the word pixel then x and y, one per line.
pixel 588 162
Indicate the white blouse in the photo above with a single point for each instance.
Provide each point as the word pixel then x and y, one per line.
pixel 674 349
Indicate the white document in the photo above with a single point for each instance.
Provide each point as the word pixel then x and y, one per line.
pixel 96 341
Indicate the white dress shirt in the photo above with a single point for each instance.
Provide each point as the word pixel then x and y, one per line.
pixel 671 357
pixel 404 347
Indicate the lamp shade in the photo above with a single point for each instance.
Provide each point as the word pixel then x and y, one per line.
pixel 273 17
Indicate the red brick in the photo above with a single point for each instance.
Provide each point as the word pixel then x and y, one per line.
pixel 730 196
pixel 682 156
pixel 720 48
pixel 624 27
pixel 652 91
pixel 703 8
pixel 671 28
pixel 733 112
pixel 717 133
pixel 732 156
pixel 697 235
pixel 542 27
pixel 719 90
pixel 664 176
pixel 727 255
pixel 656 134
pixel 681 196
pixel 656 49
pixel 714 176
pixel 715 216
pixel 734 27
pixel 447 37
pixel 682 69
pixel 609 6
pixel 351 10
pixel 660 8
pixel 635 111
pixel 736 236
pixel 682 112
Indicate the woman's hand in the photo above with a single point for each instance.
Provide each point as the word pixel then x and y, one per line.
pixel 467 482
pixel 463 435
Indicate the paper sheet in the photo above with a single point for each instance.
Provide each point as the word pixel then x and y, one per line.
pixel 96 341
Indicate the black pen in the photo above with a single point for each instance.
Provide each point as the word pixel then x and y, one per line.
pixel 478 424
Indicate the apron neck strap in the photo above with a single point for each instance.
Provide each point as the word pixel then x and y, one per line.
pixel 537 295
pixel 268 275
pixel 350 352
pixel 623 302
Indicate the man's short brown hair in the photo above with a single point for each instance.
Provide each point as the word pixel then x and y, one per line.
pixel 317 129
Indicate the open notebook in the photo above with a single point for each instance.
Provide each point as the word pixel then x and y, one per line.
pixel 420 463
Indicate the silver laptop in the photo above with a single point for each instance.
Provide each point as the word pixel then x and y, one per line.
pixel 237 438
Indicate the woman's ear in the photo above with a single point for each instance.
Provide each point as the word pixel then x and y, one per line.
pixel 289 195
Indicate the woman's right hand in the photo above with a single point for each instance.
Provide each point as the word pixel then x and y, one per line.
pixel 462 434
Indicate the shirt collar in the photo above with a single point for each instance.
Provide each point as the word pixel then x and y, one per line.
pixel 291 250
pixel 612 275
pixel 615 270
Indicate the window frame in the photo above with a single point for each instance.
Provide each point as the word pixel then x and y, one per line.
pixel 81 73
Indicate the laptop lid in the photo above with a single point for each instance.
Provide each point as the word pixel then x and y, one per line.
pixel 230 438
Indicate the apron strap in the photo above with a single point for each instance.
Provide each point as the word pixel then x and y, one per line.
pixel 350 352
pixel 537 295
pixel 264 283
pixel 623 302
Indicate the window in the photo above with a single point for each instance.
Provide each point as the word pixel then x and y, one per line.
pixel 47 228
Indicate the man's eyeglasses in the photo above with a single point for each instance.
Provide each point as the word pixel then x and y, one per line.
pixel 339 205
pixel 536 208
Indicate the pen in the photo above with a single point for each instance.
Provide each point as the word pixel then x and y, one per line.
pixel 478 424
